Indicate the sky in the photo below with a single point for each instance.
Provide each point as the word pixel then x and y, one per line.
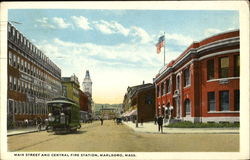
pixel 117 46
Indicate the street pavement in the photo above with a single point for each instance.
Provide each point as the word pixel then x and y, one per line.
pixel 147 127
pixel 110 137
pixel 150 127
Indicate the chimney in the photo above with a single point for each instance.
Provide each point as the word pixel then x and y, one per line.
pixel 142 82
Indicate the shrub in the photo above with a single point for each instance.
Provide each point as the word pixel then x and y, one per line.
pixel 188 124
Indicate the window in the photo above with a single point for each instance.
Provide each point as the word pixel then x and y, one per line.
pixel 15 107
pixel 31 69
pixel 211 101
pixel 24 41
pixel 15 87
pixel 9 28
pixel 210 69
pixel 10 107
pixel 18 61
pixel 17 35
pixel 162 88
pixel 25 66
pixel 178 82
pixel 22 86
pixel 168 85
pixel 187 106
pixel 148 99
pixel 236 100
pixel 18 85
pixel 187 77
pixel 224 100
pixel 14 60
pixel 21 38
pixel 158 91
pixel 13 32
pixel 10 58
pixel 236 65
pixel 10 82
pixel 21 64
pixel 224 67
pixel 28 68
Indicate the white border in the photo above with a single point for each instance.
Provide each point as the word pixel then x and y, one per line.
pixel 242 6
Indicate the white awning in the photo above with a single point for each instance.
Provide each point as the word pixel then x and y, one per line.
pixel 133 113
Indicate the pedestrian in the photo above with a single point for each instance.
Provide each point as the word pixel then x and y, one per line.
pixel 160 123
pixel 101 121
pixel 155 120
pixel 39 124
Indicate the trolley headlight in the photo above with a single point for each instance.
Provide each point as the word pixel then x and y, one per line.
pixel 51 117
pixel 62 118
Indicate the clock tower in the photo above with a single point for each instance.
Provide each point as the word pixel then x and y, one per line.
pixel 87 84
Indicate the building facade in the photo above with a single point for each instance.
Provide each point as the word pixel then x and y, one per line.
pixel 139 103
pixel 71 87
pixel 202 84
pixel 87 90
pixel 85 107
pixel 33 79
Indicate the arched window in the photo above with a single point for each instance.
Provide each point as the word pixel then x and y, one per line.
pixel 187 106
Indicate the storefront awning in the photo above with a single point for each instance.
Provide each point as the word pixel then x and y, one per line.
pixel 132 113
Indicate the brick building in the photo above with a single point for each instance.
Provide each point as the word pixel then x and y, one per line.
pixel 202 84
pixel 33 79
pixel 139 102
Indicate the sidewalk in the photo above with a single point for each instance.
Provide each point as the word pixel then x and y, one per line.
pixel 150 127
pixel 12 132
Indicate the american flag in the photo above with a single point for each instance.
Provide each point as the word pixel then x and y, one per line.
pixel 160 44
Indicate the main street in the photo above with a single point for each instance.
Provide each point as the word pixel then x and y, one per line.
pixel 110 137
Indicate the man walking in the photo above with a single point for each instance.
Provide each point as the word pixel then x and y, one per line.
pixel 160 123
pixel 101 121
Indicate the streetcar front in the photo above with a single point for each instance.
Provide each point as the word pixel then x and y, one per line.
pixel 59 116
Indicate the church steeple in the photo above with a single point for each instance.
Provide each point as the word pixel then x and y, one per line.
pixel 87 83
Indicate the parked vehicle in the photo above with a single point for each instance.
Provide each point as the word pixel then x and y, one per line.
pixel 64 115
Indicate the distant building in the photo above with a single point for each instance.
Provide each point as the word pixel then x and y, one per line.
pixel 87 90
pixel 33 79
pixel 202 84
pixel 71 87
pixel 85 106
pixel 108 113
pixel 87 84
pixel 139 103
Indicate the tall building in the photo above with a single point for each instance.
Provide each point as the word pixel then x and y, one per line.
pixel 87 84
pixel 202 84
pixel 33 79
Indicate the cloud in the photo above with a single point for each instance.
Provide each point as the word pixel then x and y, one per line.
pixel 61 23
pixel 112 27
pixel 141 34
pixel 81 22
pixel 179 39
pixel 117 66
pixel 211 31
pixel 43 22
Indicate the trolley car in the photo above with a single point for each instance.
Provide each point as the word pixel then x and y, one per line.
pixel 64 115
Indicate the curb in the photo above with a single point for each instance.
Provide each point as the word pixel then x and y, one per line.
pixel 26 132
pixel 185 132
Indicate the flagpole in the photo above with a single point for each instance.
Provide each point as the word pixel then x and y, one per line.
pixel 164 48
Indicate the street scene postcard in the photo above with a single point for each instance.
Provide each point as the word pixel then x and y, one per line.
pixel 125 80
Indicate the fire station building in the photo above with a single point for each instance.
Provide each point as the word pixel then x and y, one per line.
pixel 202 84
